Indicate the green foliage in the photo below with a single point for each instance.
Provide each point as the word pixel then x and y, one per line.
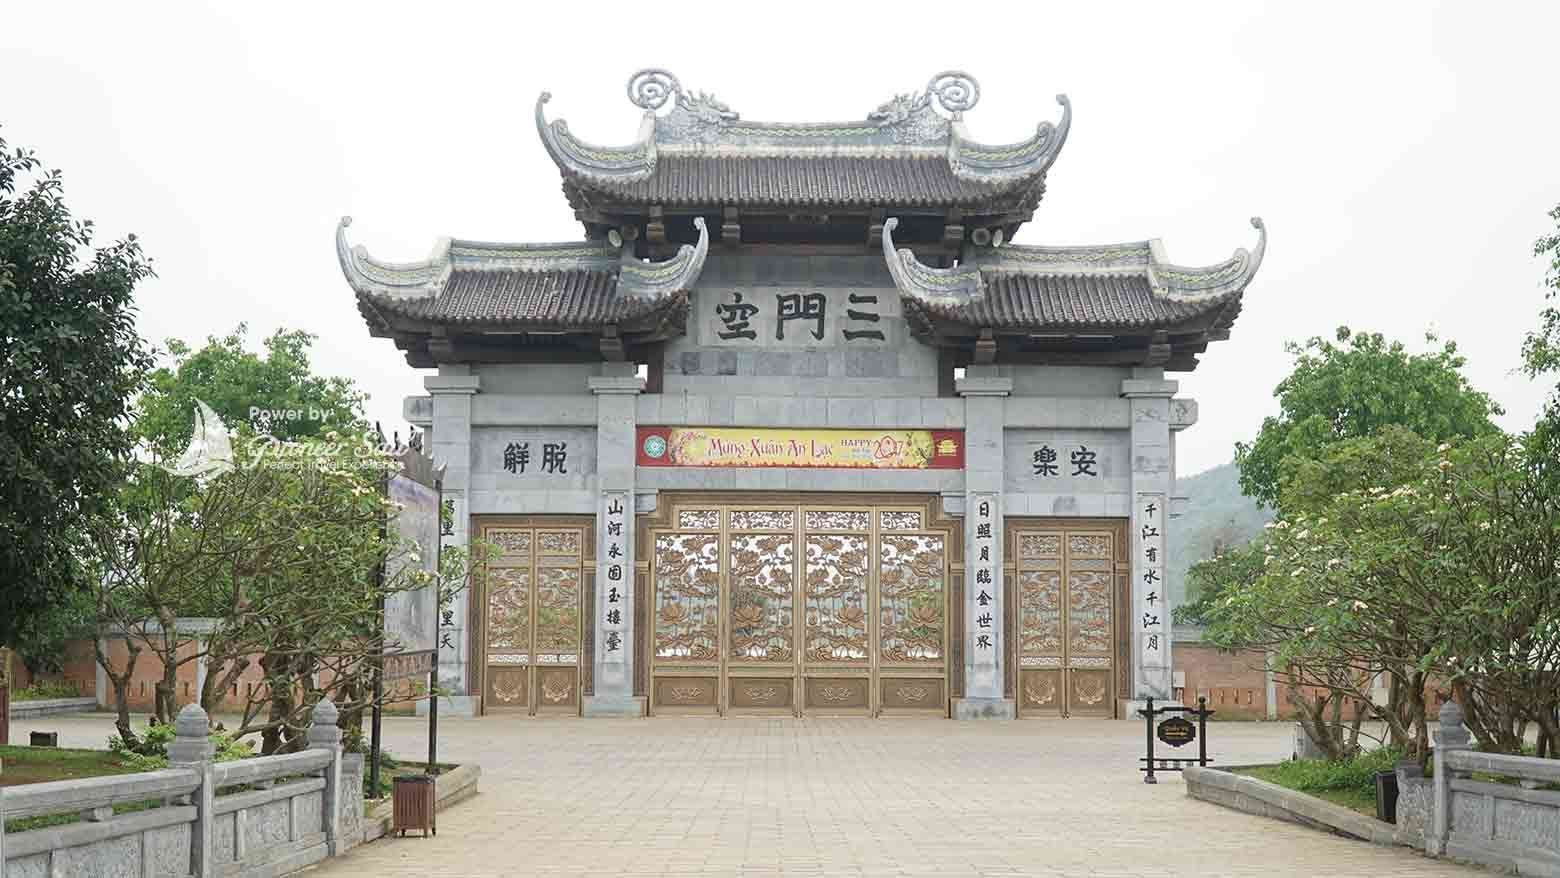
pixel 277 394
pixel 1541 348
pixel 1213 579
pixel 151 752
pixel 1350 782
pixel 44 690
pixel 1445 568
pixel 71 362
pixel 1353 389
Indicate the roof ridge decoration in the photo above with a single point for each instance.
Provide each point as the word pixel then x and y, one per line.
pixel 640 281
pixel 965 283
pixel 906 125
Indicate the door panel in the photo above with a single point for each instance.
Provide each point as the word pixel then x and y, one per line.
pixel 1065 576
pixel 686 618
pixel 827 609
pixel 531 631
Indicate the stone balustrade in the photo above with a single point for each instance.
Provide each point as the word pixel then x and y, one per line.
pixel 1511 825
pixel 289 811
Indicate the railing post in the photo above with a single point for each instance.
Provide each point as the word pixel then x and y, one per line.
pixel 1450 736
pixel 192 750
pixel 325 735
pixel 1148 714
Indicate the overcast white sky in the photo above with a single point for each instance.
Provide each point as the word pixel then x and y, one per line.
pixel 1403 155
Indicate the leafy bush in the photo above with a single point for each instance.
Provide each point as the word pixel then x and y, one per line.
pixel 152 754
pixel 1349 775
pixel 43 690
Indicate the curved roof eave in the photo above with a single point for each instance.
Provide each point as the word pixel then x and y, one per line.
pixel 1187 284
pixel 965 284
pixel 575 157
pixel 1006 164
pixel 404 280
pixel 656 280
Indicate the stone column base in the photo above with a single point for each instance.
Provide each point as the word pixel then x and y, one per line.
pixel 983 708
pixel 451 705
pixel 614 705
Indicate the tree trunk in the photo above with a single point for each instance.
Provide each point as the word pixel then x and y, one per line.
pixel 279 691
pixel 121 684
pixel 1313 719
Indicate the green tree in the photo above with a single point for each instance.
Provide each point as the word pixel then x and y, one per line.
pixel 277 394
pixel 1212 579
pixel 71 362
pixel 1541 348
pixel 1352 389
pixel 1444 570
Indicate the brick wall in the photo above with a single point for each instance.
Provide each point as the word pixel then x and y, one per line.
pixel 1232 681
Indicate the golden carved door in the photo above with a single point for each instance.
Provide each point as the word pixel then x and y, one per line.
pixel 792 608
pixel 531 635
pixel 1065 584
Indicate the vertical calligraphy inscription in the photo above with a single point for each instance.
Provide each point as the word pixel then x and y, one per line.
pixel 1149 568
pixel 614 580
pixel 985 575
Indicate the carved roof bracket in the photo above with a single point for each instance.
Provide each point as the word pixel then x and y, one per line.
pixel 986 348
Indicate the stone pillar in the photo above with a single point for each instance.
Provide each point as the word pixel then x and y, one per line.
pixel 983 391
pixel 325 734
pixel 1153 482
pixel 613 658
pixel 451 397
pixel 1449 735
pixel 192 750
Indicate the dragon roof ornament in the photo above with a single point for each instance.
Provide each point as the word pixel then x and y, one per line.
pixel 965 283
pixel 638 280
pixel 907 125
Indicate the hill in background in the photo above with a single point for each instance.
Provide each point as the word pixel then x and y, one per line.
pixel 1217 515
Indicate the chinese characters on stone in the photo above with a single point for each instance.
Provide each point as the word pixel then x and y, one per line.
pixel 805 309
pixel 614 566
pixel 1153 609
pixel 555 458
pixel 1084 462
pixel 985 573
pixel 447 537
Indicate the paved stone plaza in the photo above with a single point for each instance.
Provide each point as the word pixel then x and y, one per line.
pixel 837 797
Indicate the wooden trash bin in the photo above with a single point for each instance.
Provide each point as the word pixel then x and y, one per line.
pixel 411 798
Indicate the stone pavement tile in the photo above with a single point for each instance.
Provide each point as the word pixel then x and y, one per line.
pixel 838 797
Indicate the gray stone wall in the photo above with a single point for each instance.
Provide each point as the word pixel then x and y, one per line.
pixel 829 365
pixel 857 346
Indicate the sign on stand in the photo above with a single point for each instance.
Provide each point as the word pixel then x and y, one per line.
pixel 1174 730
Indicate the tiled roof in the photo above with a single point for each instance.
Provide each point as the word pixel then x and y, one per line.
pixel 1119 286
pixel 802 180
pixel 578 286
pixel 561 298
pixel 1078 302
pixel 903 154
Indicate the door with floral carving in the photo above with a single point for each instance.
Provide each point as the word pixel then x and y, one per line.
pixel 1066 584
pixel 798 608
pixel 531 633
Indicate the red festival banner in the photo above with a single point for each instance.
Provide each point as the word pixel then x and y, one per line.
pixel 764 446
